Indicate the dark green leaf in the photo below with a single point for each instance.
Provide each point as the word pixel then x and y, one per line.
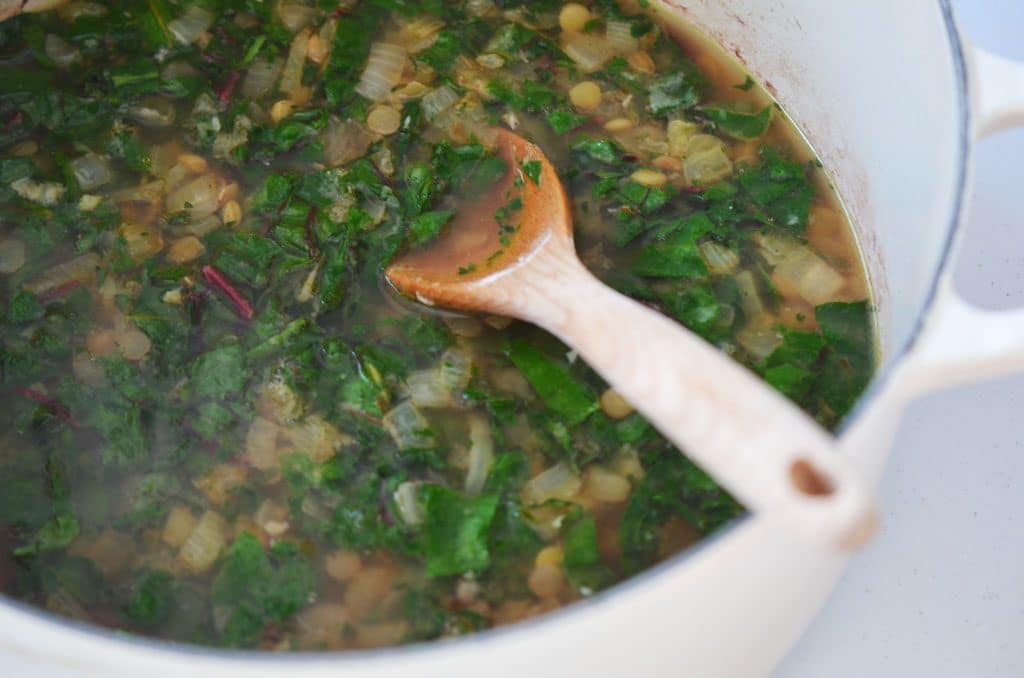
pixel 602 150
pixel 563 122
pixel 56 533
pixel 676 91
pixel 428 226
pixel 559 390
pixel 739 125
pixel 153 599
pixel 455 531
pixel 583 565
pixel 25 307
pixel 219 373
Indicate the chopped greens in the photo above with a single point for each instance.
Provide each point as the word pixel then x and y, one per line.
pixel 221 425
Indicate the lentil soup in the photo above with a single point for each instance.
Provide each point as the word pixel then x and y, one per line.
pixel 221 427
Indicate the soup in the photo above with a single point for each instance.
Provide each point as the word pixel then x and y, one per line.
pixel 220 425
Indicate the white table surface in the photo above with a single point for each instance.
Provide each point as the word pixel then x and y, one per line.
pixel 940 594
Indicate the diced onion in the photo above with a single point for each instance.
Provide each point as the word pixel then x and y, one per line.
pixel 60 51
pixel 317 438
pixel 279 403
pixel 178 526
pixel 383 71
pixel 706 161
pixel 295 16
pixel 260 78
pixel 141 241
pixel 426 390
pixel 479 8
pixel 456 368
pixel 153 112
pixel 590 52
pixel 12 255
pixel 679 134
pixel 481 454
pixel 407 502
pixel 345 142
pixel 226 142
pixel 799 270
pixel 189 26
pixel 203 226
pixel 90 171
pixel 759 338
pixel 201 197
pixel 557 482
pixel 291 76
pixel 203 546
pixel 261 444
pixel 407 427
pixel 620 37
pixel 40 192
pixel 80 269
pixel 375 209
pixel 720 259
pixel 438 101
pixel 750 297
pixel 419 33
pixel 221 482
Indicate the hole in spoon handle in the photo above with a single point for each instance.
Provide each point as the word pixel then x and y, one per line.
pixel 809 480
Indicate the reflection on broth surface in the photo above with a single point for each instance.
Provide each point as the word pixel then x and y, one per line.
pixel 217 428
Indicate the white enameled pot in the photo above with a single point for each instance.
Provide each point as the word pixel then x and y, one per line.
pixel 891 96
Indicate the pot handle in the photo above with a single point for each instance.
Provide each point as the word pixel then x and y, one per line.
pixel 997 92
pixel 963 342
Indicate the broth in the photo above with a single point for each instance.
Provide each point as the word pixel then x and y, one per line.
pixel 220 427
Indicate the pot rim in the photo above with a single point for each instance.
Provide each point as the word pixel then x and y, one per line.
pixel 879 383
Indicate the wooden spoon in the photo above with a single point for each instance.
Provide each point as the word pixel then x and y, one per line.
pixel 769 454
pixel 9 8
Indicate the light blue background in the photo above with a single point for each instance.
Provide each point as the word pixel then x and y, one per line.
pixel 941 593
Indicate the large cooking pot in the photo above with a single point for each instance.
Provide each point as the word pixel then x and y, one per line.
pixel 892 97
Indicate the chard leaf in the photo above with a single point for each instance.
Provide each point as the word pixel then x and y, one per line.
pixel 676 91
pixel 559 390
pixel 153 598
pixel 219 373
pixel 56 533
pixel 455 531
pixel 260 587
pixel 428 226
pixel 563 122
pixel 583 565
pixel 740 125
pixel 602 150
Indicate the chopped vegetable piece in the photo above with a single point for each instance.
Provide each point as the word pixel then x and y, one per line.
pixel 559 390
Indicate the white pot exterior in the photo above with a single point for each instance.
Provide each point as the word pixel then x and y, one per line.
pixel 883 101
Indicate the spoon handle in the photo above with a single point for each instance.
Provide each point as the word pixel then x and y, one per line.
pixel 767 452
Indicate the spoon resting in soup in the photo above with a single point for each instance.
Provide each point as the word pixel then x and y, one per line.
pixel 510 251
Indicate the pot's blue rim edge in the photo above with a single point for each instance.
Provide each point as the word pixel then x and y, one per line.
pixel 424 649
